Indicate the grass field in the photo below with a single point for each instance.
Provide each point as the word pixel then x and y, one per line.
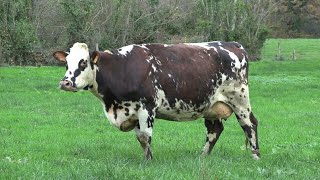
pixel 46 133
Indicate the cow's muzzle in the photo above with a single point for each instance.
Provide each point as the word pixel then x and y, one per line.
pixel 67 85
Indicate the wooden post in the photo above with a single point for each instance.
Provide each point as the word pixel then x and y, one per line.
pixel 294 55
pixel 279 52
pixel 97 47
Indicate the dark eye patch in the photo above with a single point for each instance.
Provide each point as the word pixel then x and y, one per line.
pixel 76 74
pixel 82 64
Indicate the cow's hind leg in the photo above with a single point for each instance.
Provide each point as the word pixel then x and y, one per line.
pixel 238 100
pixel 249 125
pixel 214 129
pixel 145 142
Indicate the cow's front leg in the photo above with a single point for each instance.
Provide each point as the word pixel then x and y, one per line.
pixel 144 131
pixel 214 129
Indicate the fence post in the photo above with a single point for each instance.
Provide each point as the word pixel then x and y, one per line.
pixel 294 55
pixel 278 56
pixel 97 47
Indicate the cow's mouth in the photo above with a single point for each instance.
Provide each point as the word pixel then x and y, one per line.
pixel 73 89
pixel 67 86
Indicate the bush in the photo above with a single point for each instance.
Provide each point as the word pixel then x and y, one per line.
pixel 30 30
pixel 230 21
pixel 18 35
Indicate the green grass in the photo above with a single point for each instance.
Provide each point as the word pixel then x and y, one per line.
pixel 46 133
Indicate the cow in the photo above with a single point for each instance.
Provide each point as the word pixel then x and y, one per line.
pixel 179 82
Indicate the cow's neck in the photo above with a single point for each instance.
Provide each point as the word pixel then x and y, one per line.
pixel 95 87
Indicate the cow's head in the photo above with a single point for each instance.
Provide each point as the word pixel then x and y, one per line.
pixel 80 72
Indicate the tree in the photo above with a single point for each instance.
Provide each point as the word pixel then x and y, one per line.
pixel 293 18
pixel 77 13
pixel 236 20
pixel 18 36
pixel 28 27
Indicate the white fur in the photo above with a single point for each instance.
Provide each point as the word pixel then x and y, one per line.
pixel 234 57
pixel 203 45
pixel 125 50
pixel 143 115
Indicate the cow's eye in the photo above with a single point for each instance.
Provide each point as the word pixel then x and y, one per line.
pixel 84 63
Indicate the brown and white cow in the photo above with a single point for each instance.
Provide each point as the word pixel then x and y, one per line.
pixel 178 82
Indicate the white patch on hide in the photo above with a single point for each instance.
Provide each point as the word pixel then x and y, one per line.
pixel 143 116
pixel 158 62
pixel 125 50
pixel 154 68
pixel 233 56
pixel 203 45
pixel 212 136
pixel 108 51
pixel 149 59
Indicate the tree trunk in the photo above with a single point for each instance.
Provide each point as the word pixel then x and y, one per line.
pixel 127 26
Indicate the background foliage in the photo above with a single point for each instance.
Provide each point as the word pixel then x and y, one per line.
pixel 30 30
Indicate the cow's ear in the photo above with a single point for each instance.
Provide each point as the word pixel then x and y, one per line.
pixel 60 56
pixel 95 56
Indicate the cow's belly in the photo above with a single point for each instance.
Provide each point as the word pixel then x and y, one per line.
pixel 178 115
pixel 216 111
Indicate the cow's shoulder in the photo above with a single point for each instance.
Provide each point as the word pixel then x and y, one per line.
pixel 123 71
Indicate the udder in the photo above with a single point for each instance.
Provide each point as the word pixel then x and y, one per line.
pixel 218 110
pixel 128 125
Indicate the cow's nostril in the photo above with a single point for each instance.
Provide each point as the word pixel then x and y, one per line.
pixel 65 84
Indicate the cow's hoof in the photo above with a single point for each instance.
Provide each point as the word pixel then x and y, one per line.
pixel 204 154
pixel 148 154
pixel 256 154
pixel 255 157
